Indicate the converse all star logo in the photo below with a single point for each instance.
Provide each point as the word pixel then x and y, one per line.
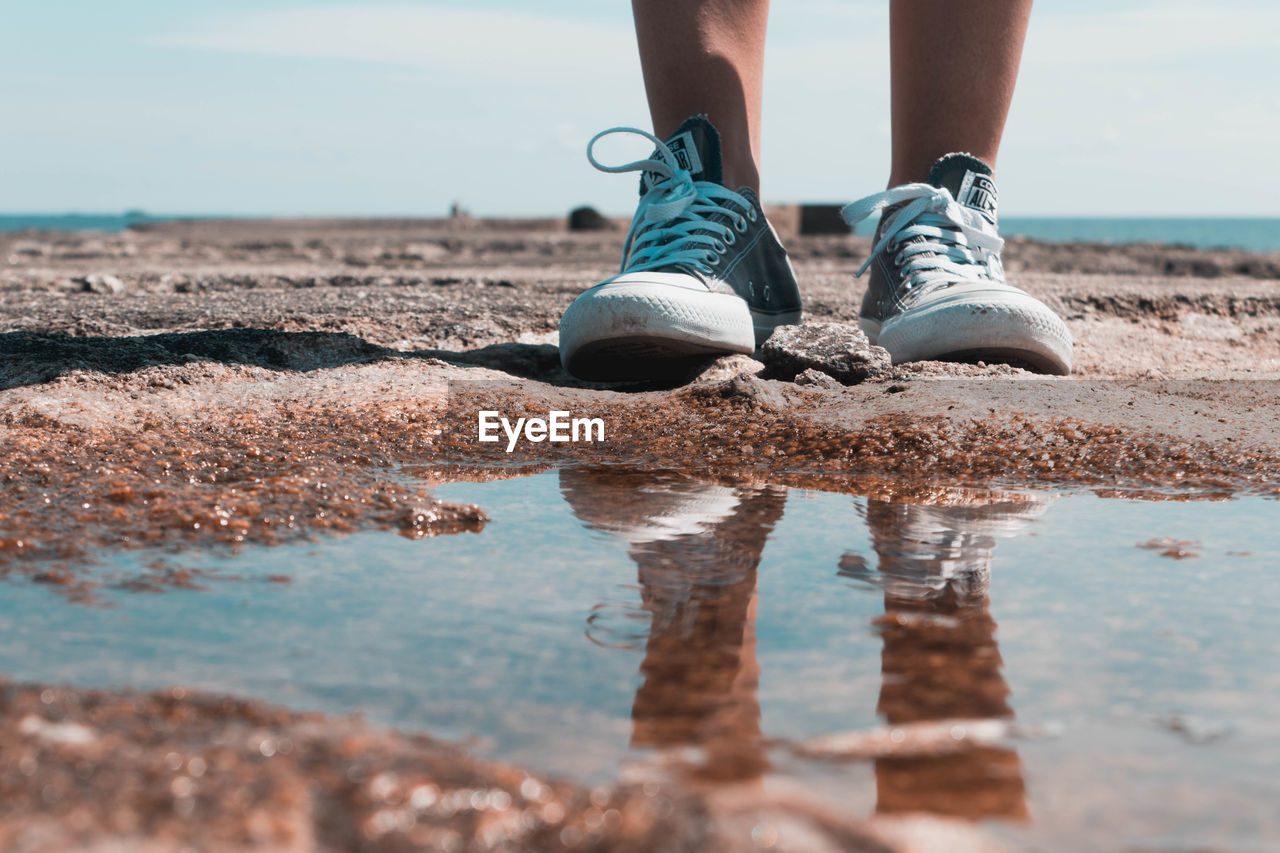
pixel 686 154
pixel 978 192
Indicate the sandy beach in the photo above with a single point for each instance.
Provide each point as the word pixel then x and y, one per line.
pixel 215 384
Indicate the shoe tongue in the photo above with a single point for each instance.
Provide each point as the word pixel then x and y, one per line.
pixel 969 181
pixel 696 145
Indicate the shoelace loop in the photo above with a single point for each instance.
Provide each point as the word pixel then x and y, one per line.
pixel 672 224
pixel 934 238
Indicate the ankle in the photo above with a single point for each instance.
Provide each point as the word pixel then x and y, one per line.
pixel 917 170
pixel 736 179
pixel 740 168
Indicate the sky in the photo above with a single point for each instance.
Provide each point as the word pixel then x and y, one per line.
pixel 298 107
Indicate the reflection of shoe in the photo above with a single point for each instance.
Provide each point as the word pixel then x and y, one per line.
pixel 692 541
pixel 642 508
pixel 937 288
pixel 924 549
pixel 703 272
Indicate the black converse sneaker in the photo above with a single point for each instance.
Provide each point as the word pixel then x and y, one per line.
pixel 703 272
pixel 937 287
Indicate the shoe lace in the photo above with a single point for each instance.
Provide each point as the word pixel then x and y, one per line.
pixel 673 223
pixel 935 240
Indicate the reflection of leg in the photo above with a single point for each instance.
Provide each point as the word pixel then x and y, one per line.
pixel 700 680
pixel 696 547
pixel 940 660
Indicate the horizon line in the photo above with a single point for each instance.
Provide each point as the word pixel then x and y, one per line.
pixel 145 215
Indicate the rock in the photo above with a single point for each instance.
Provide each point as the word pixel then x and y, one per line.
pixel 101 284
pixel 817 379
pixel 588 219
pixel 422 252
pixel 751 391
pixel 840 351
pixel 822 219
pixel 729 367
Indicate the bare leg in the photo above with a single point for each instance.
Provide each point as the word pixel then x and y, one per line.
pixel 953 68
pixel 707 56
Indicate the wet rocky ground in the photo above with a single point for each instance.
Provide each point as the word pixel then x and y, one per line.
pixel 206 385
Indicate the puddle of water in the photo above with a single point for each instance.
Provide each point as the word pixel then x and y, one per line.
pixel 605 619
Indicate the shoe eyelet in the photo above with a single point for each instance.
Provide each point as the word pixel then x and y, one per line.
pixel 741 225
pixel 751 212
pixel 730 238
pixel 713 258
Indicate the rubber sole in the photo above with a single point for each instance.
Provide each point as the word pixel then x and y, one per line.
pixel 642 330
pixel 1003 325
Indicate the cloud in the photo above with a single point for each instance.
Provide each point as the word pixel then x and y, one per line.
pixel 1120 96
pixel 463 42
pixel 1128 36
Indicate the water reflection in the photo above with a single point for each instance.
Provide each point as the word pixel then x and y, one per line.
pixel 940 659
pixel 697 546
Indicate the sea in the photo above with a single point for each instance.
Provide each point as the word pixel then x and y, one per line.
pixel 1254 234
pixel 1260 234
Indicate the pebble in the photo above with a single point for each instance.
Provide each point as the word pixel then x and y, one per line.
pixel 838 350
pixel 817 379
pixel 588 219
pixel 107 284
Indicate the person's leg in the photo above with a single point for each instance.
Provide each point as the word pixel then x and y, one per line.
pixel 937 288
pixel 703 272
pixel 707 56
pixel 953 67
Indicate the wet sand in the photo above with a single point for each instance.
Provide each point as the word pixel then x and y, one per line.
pixel 210 384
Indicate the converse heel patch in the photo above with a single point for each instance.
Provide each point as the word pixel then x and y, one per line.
pixel 978 192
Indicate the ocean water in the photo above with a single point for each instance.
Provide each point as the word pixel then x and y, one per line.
pixel 75 221
pixel 1256 234
pixel 606 618
pixel 1259 235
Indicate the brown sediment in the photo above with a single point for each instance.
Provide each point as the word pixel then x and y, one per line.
pixel 208 483
pixel 754 426
pixel 168 770
pixel 1178 549
pixel 775 431
pixel 269 476
pixel 177 769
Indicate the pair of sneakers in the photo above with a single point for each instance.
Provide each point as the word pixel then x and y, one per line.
pixel 704 273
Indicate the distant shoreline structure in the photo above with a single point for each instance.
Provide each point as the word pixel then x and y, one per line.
pixel 1258 234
